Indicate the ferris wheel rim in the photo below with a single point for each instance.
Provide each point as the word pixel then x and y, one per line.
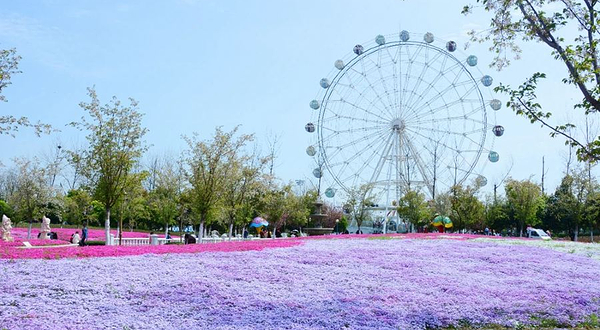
pixel 324 160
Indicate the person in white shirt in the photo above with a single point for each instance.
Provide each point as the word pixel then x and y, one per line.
pixel 75 238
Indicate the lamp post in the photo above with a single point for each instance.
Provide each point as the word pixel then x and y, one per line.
pixel 336 226
pixel 55 165
pixel 120 226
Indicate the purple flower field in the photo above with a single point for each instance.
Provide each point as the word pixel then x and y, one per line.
pixel 321 284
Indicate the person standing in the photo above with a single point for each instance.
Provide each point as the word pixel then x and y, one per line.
pixel 84 235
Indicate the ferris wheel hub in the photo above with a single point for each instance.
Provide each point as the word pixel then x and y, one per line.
pixel 398 125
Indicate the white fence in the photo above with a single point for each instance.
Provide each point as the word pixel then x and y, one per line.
pixel 155 240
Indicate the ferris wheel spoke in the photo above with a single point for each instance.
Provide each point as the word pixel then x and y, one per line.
pixel 395 91
pixel 435 141
pixel 477 143
pixel 431 129
pixel 461 98
pixel 393 57
pixel 420 79
pixel 398 80
pixel 378 97
pixel 340 148
pixel 371 102
pixel 451 87
pixel 335 116
pixel 409 69
pixel 441 74
pixel 374 145
pixel 422 114
pixel 350 130
pixel 382 79
pixel 367 111
pixel 465 116
pixel 429 116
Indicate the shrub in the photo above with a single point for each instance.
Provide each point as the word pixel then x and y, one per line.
pixel 93 243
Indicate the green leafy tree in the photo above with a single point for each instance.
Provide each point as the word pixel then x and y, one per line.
pixel 134 204
pixel 96 213
pixel 273 205
pixel 592 212
pixel 468 212
pixel 77 204
pixel 208 168
pixel 442 204
pixel 164 198
pixel 551 23
pixel 115 138
pixel 32 193
pixel 358 203
pixel 137 212
pixel 5 208
pixel 414 208
pixel 567 206
pixel 524 198
pixel 241 185
pixel 496 214
pixel 284 209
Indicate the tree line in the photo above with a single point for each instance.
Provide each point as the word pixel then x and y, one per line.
pixel 572 208
pixel 224 182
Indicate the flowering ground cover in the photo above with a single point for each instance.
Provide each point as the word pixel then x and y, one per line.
pixel 64 234
pixel 10 251
pixel 589 250
pixel 391 283
pixel 14 250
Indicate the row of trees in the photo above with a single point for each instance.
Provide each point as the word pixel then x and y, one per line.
pixel 575 205
pixel 220 183
pixel 224 182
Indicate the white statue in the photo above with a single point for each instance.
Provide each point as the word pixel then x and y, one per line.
pixel 6 228
pixel 45 230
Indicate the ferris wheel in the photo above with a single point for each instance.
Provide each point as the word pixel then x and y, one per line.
pixel 399 114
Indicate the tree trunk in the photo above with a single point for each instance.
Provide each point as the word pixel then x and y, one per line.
pixel 29 229
pixel 592 234
pixel 230 229
pixel 576 232
pixel 107 226
pixel 201 231
pixel 180 230
pixel 520 230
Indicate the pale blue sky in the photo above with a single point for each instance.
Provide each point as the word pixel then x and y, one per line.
pixel 194 65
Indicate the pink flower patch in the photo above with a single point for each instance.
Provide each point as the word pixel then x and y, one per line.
pixel 14 250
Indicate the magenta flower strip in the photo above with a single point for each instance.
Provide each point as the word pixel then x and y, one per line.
pixel 320 284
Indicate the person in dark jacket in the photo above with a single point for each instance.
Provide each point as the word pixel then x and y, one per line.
pixel 84 235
